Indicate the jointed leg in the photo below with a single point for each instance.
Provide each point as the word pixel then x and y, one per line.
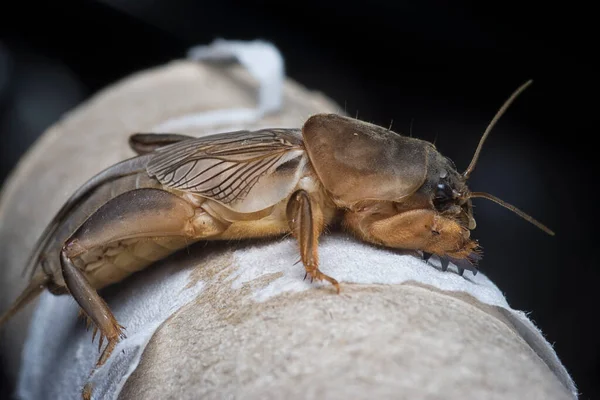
pixel 423 230
pixel 138 214
pixel 93 306
pixel 306 223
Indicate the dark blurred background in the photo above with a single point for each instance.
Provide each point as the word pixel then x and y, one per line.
pixel 444 66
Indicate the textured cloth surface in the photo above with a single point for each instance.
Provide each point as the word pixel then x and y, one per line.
pixel 258 329
pixel 237 320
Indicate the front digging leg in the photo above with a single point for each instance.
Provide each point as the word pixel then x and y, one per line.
pixel 423 230
pixel 306 224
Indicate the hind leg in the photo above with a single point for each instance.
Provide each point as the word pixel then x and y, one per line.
pixel 93 306
pixel 140 213
pixel 95 309
pixel 144 214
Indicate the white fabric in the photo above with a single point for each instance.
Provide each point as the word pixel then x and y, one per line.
pixel 262 60
pixel 56 337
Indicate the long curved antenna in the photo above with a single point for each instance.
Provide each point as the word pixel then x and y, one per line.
pixel 513 209
pixel 491 125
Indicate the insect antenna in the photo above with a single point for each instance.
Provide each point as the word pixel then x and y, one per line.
pixel 513 209
pixel 491 125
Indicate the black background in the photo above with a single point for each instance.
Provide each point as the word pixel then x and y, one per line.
pixel 445 68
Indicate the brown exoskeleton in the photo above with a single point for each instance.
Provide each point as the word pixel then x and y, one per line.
pixel 386 189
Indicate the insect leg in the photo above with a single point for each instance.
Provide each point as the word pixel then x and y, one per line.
pixel 306 223
pixel 159 220
pixel 140 213
pixel 93 306
pixel 423 230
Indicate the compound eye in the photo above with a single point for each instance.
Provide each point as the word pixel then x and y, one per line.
pixel 443 192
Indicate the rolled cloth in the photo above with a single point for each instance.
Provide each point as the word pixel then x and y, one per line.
pixel 236 319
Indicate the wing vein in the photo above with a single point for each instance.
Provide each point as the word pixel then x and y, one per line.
pixel 226 167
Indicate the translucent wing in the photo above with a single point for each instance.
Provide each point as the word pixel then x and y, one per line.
pixel 247 171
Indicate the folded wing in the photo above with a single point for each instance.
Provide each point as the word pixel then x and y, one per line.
pixel 247 171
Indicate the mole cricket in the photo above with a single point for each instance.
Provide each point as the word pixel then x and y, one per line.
pixel 384 188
